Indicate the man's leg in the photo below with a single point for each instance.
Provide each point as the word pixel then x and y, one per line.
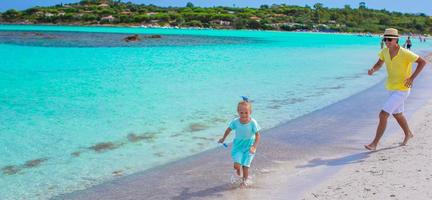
pixel 400 118
pixel 383 116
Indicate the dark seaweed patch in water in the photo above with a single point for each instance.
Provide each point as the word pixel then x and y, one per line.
pixel 10 170
pixel 117 173
pixel 83 39
pixel 216 119
pixel 288 101
pixel 355 76
pixel 194 127
pixel 332 88
pixel 13 169
pixel 104 146
pixel 278 103
pixel 319 93
pixel 145 136
pixel 202 138
pixel 34 163
pixel 158 154
pixel 76 153
pixel 176 135
pixel 107 146
pixel 274 107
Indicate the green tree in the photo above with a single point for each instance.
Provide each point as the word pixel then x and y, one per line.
pixel 189 5
pixel 264 6
pixel 90 17
pixel 31 11
pixel 11 15
pixel 240 23
pixel 317 10
pixel 194 23
pixel 252 24
pixel 385 20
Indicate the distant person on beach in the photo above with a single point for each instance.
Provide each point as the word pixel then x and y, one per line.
pixel 382 44
pixel 245 142
pixel 408 43
pixel 399 82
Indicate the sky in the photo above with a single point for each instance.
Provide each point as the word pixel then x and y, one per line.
pixel 405 6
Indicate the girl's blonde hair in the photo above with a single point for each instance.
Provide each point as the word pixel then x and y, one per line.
pixel 245 103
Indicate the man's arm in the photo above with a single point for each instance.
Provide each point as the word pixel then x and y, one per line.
pixel 420 65
pixel 376 67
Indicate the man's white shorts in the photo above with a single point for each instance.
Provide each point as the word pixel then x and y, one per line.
pixel 395 102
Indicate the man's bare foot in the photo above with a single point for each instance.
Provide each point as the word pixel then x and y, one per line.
pixel 370 147
pixel 405 141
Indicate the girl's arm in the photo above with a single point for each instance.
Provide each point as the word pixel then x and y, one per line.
pixel 257 139
pixel 227 132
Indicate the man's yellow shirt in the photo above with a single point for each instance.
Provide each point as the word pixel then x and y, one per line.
pixel 399 68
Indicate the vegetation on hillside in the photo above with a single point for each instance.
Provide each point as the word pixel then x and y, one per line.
pixel 267 17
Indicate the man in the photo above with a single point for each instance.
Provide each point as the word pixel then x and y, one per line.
pixel 399 81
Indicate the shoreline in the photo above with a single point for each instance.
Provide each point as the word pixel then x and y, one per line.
pixel 204 176
pixel 360 34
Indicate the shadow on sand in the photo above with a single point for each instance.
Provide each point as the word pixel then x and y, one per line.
pixel 206 193
pixel 349 159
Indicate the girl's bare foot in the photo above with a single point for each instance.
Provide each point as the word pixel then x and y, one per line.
pixel 370 147
pixel 246 182
pixel 405 141
pixel 235 179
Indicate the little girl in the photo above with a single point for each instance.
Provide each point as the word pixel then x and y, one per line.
pixel 246 140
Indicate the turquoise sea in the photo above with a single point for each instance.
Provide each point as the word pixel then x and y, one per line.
pixel 79 106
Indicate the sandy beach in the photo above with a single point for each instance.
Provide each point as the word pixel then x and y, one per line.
pixel 391 172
